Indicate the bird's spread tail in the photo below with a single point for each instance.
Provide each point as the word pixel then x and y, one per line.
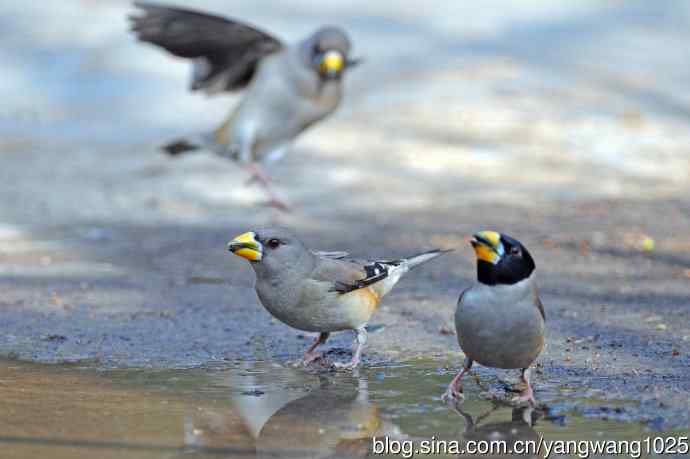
pixel 422 258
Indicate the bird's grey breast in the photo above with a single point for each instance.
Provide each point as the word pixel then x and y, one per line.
pixel 278 294
pixel 500 326
pixel 283 100
pixel 276 288
pixel 301 303
pixel 315 98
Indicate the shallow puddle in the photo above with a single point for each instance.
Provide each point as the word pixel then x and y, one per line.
pixel 257 409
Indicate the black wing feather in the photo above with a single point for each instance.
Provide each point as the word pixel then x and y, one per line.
pixel 230 48
pixel 376 271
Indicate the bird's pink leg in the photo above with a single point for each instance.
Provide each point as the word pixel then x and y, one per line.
pixel 526 395
pixel 454 391
pixel 259 176
pixel 310 355
pixel 357 356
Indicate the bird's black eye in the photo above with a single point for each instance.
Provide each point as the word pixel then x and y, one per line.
pixel 273 243
pixel 515 251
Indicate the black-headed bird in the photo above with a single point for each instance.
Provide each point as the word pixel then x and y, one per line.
pixel 500 320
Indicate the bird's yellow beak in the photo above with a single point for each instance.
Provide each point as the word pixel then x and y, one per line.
pixel 332 63
pixel 488 247
pixel 246 246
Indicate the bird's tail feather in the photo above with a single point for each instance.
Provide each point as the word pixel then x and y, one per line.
pixel 422 258
pixel 398 268
pixel 215 142
pixel 200 141
pixel 180 146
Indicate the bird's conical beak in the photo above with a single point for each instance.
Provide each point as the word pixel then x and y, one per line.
pixel 246 246
pixel 332 63
pixel 487 246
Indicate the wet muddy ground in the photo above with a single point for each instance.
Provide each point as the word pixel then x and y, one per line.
pixel 565 127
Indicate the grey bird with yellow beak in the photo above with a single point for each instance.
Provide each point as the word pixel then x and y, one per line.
pixel 500 321
pixel 320 292
pixel 288 87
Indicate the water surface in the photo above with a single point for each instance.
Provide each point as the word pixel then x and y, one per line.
pixel 257 409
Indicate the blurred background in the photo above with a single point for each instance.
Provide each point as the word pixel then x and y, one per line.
pixel 563 124
pixel 563 101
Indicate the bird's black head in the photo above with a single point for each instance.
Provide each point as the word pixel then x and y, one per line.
pixel 501 260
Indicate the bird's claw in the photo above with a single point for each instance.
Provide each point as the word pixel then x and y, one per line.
pixel 453 395
pixel 526 396
pixel 345 365
pixel 279 204
pixel 311 357
pixel 252 180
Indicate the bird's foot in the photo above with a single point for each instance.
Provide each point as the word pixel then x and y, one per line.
pixel 259 178
pixel 453 394
pixel 526 396
pixel 278 205
pixel 310 357
pixel 454 391
pixel 344 365
pixel 351 365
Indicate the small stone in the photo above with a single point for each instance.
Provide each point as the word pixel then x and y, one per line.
pixel 549 244
pixel 584 248
pixel 661 327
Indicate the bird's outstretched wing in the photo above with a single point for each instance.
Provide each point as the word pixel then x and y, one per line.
pixel 225 52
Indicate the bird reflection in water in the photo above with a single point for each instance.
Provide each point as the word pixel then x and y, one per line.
pixel 335 419
pixel 520 428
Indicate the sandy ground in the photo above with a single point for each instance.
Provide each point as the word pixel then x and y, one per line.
pixel 566 127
